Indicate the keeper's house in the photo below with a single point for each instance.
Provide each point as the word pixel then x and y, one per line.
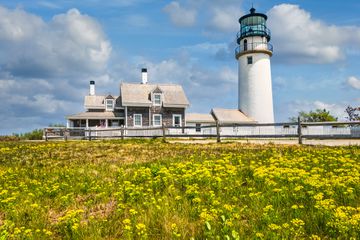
pixel 138 105
pixel 148 105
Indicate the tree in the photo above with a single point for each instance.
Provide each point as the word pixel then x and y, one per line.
pixel 353 113
pixel 35 134
pixel 319 115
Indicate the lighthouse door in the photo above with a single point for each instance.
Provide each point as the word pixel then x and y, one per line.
pixel 245 45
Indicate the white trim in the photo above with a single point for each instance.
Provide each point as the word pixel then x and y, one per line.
pixel 153 119
pixel 141 122
pixel 157 94
pixel 93 107
pixel 112 104
pixel 176 105
pixel 132 104
pixel 173 119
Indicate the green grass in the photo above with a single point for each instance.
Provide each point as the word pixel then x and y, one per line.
pixel 147 189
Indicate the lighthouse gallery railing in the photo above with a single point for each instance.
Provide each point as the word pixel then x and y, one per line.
pixel 253 47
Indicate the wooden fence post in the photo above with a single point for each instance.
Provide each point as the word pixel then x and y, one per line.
pixel 218 139
pixel 46 135
pixel 164 132
pixel 66 134
pixel 122 132
pixel 299 132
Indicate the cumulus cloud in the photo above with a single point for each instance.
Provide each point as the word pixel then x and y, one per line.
pixel 45 66
pixel 69 44
pixel 205 88
pixel 336 109
pixel 301 39
pixel 48 4
pixel 215 15
pixel 225 18
pixel 354 82
pixel 206 47
pixel 179 15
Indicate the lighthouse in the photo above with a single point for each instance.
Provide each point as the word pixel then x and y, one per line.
pixel 253 54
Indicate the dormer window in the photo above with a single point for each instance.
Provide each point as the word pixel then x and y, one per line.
pixel 157 99
pixel 109 104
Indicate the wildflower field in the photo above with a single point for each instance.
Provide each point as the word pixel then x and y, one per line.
pixel 153 190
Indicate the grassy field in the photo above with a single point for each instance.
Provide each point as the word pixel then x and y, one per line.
pixel 154 190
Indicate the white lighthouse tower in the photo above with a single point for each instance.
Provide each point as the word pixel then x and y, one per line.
pixel 253 54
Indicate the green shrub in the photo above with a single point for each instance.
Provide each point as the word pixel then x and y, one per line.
pixel 9 138
pixel 36 134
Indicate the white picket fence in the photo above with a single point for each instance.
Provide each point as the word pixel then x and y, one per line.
pixel 322 130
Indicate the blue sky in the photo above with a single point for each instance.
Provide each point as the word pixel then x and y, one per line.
pixel 52 49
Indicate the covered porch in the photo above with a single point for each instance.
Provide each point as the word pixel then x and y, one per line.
pixel 96 119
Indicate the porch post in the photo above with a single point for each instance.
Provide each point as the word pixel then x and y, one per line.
pixel 106 123
pixel 87 123
pixel 126 123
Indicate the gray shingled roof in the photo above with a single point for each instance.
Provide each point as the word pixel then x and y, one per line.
pixel 230 116
pixel 96 115
pixel 97 101
pixel 199 118
pixel 133 94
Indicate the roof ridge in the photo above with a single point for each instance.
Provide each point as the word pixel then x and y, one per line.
pixel 153 84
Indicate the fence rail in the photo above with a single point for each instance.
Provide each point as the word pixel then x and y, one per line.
pixel 300 130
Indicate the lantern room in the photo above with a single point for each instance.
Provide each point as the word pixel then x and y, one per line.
pixel 253 24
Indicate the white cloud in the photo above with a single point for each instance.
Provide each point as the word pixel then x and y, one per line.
pixel 225 18
pixel 335 109
pixel 354 82
pixel 43 103
pixel 227 74
pixel 48 4
pixel 179 15
pixel 205 88
pixel 214 15
pixel 301 39
pixel 207 47
pixel 69 44
pixel 17 26
pixel 45 66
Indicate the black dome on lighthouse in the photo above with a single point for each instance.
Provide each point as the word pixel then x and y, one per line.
pixel 253 13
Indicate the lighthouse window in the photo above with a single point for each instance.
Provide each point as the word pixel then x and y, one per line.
pixel 250 60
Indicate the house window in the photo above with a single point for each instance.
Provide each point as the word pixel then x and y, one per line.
pixel 109 104
pixel 250 60
pixel 137 120
pixel 157 120
pixel 177 120
pixel 157 99
pixel 198 127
